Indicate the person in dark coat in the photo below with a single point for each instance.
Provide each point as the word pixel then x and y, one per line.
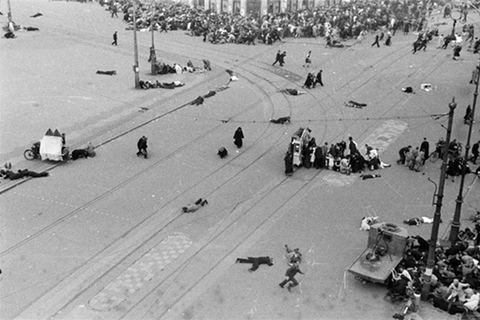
pixel 288 163
pixel 238 136
pixel 475 151
pixel 456 52
pixel 319 78
pixel 256 261
pixel 403 154
pixel 277 58
pixel 282 58
pixel 115 38
pixel 142 147
pixel 468 115
pixel 319 162
pixel 425 147
pixel 309 82
pixel 376 42
pixel 290 277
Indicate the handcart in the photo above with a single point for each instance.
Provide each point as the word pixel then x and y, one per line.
pixel 385 249
pixel 50 147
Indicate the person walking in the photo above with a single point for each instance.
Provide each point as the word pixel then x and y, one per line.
pixel 425 147
pixel 376 42
pixel 308 60
pixel 142 147
pixel 238 137
pixel 388 41
pixel 468 115
pixel 319 78
pixel 282 58
pixel 290 276
pixel 309 81
pixel 277 58
pixel 114 43
pixel 456 52
pixel 114 10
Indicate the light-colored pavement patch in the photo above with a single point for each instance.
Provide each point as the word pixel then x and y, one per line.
pixel 385 135
pixel 140 272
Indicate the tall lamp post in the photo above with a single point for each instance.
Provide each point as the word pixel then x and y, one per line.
pixel 427 276
pixel 458 207
pixel 135 46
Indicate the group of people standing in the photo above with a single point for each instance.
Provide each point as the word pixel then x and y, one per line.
pixel 414 158
pixel 341 157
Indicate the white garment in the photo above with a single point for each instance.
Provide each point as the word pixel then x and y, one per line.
pixel 472 302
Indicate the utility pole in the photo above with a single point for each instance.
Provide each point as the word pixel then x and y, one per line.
pixel 427 276
pixel 153 56
pixel 9 12
pixel 135 46
pixel 458 207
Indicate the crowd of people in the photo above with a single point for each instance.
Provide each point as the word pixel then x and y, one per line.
pixel 341 157
pixel 455 282
pixel 346 20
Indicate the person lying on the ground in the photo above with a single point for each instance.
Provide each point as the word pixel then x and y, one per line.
pixel 84 153
pixel 9 35
pixel 408 90
pixel 354 104
pixel 198 101
pixel 417 221
pixel 7 174
pixel 293 92
pixel 170 85
pixel 38 14
pixel 281 120
pixel 147 84
pixel 256 262
pixel 333 43
pixel 108 73
pixel 195 206
pixel 31 29
pixel 369 176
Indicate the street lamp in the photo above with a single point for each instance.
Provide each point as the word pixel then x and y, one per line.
pixel 135 46
pixel 427 275
pixel 458 207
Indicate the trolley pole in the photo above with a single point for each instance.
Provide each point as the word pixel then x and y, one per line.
pixel 427 276
pixel 458 207
pixel 135 46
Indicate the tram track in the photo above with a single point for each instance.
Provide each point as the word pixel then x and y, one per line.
pixel 138 176
pixel 216 236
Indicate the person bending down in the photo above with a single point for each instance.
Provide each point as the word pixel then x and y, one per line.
pixel 256 261
pixel 195 206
